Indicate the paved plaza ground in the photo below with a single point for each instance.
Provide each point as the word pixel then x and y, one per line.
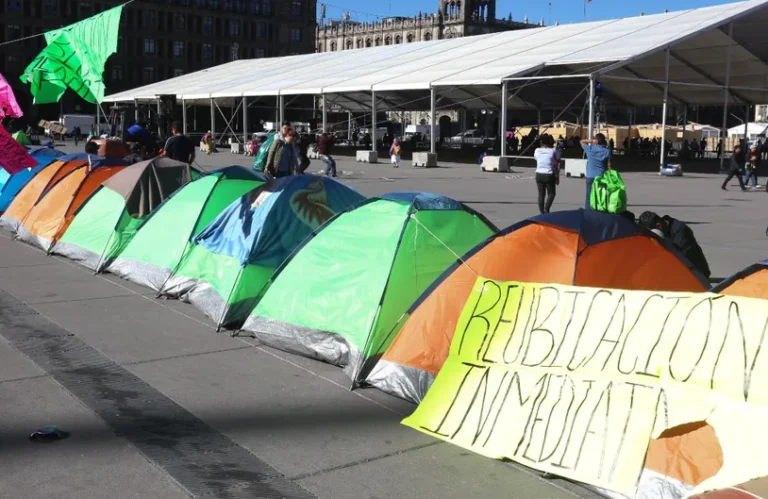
pixel 161 406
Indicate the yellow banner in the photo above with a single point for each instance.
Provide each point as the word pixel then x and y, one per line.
pixel 577 381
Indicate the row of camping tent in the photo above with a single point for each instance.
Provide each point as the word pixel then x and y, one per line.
pixel 310 266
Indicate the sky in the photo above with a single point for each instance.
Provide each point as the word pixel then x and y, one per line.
pixel 564 11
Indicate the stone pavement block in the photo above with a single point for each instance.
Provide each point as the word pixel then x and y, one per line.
pixel 293 420
pixel 134 329
pixel 440 471
pixel 14 365
pixel 91 464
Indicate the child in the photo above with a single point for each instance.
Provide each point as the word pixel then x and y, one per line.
pixel 394 151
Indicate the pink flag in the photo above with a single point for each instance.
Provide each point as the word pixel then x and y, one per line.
pixel 13 156
pixel 8 104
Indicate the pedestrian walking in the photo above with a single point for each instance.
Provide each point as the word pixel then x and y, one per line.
pixel 547 172
pixel 598 160
pixel 178 146
pixel 752 164
pixel 735 168
pixel 324 150
pixel 394 153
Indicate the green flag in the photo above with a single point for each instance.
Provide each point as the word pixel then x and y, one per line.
pixel 75 58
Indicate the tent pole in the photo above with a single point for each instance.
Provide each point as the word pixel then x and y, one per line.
pixel 591 129
pixel 277 113
pixel 213 121
pixel 136 110
pixel 245 121
pixel 159 118
pixel 504 118
pixel 349 126
pixel 724 133
pixel 184 116
pixel 432 105
pixel 629 130
pixel 685 121
pixel 325 114
pixel 194 117
pixel 373 121
pixel 98 122
pixel 538 121
pixel 746 123
pixel 282 111
pixel 664 108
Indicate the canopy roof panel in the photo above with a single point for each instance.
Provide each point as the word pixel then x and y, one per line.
pixel 465 71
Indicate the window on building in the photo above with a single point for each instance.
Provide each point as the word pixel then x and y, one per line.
pixel 235 28
pixel 229 5
pixel 178 49
pixel 14 6
pixel 207 51
pixel 213 4
pixel 266 7
pixel 255 6
pixel 260 53
pixel 377 42
pixel 208 25
pixel 261 30
pixel 200 3
pixel 359 43
pixel 234 52
pixel 149 46
pixel 409 38
pixel 50 8
pixel 333 46
pixel 117 72
pixel 13 31
pixel 350 45
pixel 240 5
pixel 295 34
pixel 85 9
pixel 150 18
pixel 148 74
pixel 398 40
pixel 180 22
pixel 427 36
pixel 368 42
pixel 296 7
pixel 178 72
pixel 388 40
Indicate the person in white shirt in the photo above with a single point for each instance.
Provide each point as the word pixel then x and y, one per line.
pixel 547 171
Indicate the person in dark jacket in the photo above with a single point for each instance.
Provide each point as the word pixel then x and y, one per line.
pixel 680 235
pixel 324 150
pixel 135 154
pixel 283 157
pixel 735 168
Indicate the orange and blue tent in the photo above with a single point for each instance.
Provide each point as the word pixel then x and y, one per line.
pixel 10 185
pixel 579 247
pixel 751 282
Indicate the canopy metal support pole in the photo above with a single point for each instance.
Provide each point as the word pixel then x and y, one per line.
pixel 245 121
pixel 591 129
pixel 98 122
pixel 136 110
pixel 281 112
pixel 159 118
pixel 538 120
pixel 213 120
pixel 503 127
pixel 325 114
pixel 432 106
pixel 277 113
pixel 373 121
pixel 184 116
pixel 349 126
pixel 724 132
pixel 664 109
pixel 685 121
pixel 629 130
pixel 746 125
pixel 194 117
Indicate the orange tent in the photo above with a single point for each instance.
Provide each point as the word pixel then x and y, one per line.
pixel 51 214
pixel 751 282
pixel 581 248
pixel 33 191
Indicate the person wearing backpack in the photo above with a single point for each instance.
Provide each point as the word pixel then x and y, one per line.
pixel 599 158
pixel 547 172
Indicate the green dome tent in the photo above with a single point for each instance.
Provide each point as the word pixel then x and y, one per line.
pixel 157 248
pixel 224 271
pixel 341 296
pixel 108 220
pixel 22 138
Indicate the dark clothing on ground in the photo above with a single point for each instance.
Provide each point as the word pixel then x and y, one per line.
pixel 546 183
pixel 180 148
pixel 134 158
pixel 682 238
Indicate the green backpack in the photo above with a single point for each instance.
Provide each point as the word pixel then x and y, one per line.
pixel 260 160
pixel 609 193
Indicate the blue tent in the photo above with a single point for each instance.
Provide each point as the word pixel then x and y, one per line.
pixel 227 265
pixel 45 152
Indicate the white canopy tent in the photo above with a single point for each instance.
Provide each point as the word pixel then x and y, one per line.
pixel 707 56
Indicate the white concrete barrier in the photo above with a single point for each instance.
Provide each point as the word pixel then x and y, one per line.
pixel 495 164
pixel 575 168
pixel 424 159
pixel 236 147
pixel 367 157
